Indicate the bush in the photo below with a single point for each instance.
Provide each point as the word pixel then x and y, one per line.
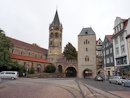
pixel 31 71
pixel 50 69
pixel 22 70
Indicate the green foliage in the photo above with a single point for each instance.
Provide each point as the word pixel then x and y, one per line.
pixel 34 44
pixel 22 70
pixel 50 69
pixel 5 55
pixel 31 71
pixel 70 52
pixel 5 45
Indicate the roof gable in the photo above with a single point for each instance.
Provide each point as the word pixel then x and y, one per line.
pixel 87 31
pixel 109 37
pixel 99 42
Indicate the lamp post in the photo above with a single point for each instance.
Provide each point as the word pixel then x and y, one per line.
pixel 27 71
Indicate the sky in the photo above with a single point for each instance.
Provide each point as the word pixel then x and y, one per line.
pixel 29 20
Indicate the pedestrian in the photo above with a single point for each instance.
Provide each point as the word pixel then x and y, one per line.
pixel 23 74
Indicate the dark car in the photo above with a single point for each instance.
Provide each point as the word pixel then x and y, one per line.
pixel 98 78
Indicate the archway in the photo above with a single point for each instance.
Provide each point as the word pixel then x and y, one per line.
pixel 71 72
pixel 38 68
pixel 87 73
pixel 59 68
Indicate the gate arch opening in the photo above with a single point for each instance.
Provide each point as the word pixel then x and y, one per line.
pixel 87 73
pixel 71 72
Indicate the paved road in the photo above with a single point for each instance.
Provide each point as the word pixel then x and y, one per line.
pixel 56 88
pixel 24 89
pixel 106 86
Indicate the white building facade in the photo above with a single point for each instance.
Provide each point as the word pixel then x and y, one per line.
pixel 120 46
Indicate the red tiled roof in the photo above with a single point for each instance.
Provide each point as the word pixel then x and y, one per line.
pixel 26 58
pixel 124 20
pixel 27 45
pixel 109 37
pixel 125 24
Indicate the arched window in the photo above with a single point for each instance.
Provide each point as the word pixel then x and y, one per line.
pixel 51 35
pixel 86 41
pixel 56 35
pixel 60 69
pixel 86 58
pixel 60 35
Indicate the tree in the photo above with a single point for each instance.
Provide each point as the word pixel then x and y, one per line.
pixel 5 45
pixel 70 52
pixel 50 69
pixel 5 55
pixel 34 44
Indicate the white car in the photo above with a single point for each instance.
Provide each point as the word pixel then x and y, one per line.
pixel 116 79
pixel 9 74
pixel 126 82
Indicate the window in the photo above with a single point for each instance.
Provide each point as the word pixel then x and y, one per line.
pixel 107 51
pixel 2 73
pixel 118 61
pixel 124 60
pixel 106 44
pixel 108 61
pixel 86 58
pixel 111 59
pixel 110 50
pixel 122 38
pixel 51 35
pixel 86 41
pixel 117 51
pixel 86 49
pixel 116 41
pixel 56 35
pixel 32 65
pixel 122 49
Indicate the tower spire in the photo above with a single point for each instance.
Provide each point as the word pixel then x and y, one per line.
pixel 56 19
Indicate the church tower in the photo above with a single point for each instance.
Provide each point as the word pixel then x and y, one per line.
pixel 55 38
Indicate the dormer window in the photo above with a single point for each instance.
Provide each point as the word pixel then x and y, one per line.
pixel 86 32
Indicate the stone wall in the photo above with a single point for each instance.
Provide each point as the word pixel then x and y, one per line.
pixel 28 52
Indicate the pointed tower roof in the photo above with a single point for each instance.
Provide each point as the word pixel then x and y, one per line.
pixel 56 19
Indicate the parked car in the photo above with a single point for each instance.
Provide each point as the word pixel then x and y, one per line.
pixel 9 74
pixel 116 79
pixel 126 82
pixel 98 78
